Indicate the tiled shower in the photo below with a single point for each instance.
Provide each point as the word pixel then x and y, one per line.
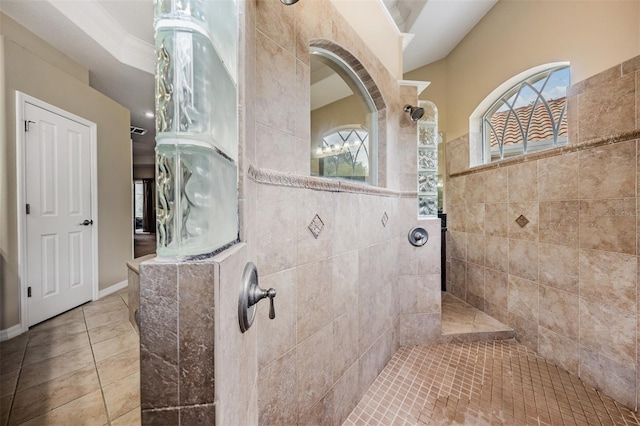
pixel 336 252
pixel 566 281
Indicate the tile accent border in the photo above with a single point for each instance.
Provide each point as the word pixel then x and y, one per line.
pixel 581 146
pixel 273 177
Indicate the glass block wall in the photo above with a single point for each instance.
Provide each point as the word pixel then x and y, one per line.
pixel 428 160
pixel 196 125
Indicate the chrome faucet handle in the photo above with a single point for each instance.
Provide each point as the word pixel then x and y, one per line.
pixel 256 294
pixel 250 295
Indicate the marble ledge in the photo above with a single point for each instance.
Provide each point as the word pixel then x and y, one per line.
pixel 215 257
pixel 580 146
pixel 273 177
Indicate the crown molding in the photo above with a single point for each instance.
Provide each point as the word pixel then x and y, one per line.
pixel 93 20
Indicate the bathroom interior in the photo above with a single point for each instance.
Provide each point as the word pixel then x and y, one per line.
pixel 350 288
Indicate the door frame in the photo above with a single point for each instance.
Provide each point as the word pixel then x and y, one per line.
pixel 21 100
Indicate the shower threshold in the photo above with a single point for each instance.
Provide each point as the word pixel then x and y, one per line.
pixel 462 322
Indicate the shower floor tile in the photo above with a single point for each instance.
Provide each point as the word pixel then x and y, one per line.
pixel 481 383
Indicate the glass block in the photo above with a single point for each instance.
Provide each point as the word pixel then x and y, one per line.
pixel 197 200
pixel 188 10
pixel 427 136
pixel 223 27
pixel 195 96
pixel 428 182
pixel 427 206
pixel 427 160
pixel 430 112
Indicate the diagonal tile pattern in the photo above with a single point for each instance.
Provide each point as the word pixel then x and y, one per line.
pixel 81 367
pixel 481 383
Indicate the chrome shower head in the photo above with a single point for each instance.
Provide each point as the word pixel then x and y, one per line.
pixel 289 2
pixel 416 113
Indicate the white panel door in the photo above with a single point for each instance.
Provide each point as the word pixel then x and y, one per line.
pixel 58 193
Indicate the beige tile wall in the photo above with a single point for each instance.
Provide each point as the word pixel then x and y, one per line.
pixel 568 280
pixel 338 312
pixel 345 300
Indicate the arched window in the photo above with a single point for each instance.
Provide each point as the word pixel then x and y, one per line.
pixel 344 153
pixel 531 116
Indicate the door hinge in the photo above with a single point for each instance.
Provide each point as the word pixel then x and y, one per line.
pixel 26 124
pixel 28 291
pixel 28 208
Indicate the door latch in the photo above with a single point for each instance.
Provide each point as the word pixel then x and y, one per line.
pixel 86 222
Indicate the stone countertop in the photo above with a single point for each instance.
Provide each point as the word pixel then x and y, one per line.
pixel 134 264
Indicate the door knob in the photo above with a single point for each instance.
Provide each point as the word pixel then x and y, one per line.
pixel 87 222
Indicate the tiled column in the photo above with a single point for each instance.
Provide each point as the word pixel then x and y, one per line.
pixel 177 343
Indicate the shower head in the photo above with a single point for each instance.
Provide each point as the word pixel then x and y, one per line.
pixel 416 113
pixel 289 2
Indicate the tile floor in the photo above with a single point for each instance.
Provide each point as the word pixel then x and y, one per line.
pixel 82 368
pixel 79 368
pixel 481 383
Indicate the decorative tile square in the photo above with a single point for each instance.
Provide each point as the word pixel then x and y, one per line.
pixel 385 219
pixel 316 226
pixel 522 221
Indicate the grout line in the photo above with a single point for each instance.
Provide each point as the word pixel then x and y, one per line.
pixel 22 370
pixel 95 365
pixel 15 389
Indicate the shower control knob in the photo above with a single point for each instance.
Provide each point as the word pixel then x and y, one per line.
pixel 271 293
pixel 250 295
pixel 256 294
pixel 418 236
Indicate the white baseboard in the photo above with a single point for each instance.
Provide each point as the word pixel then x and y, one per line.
pixel 17 330
pixel 11 332
pixel 112 289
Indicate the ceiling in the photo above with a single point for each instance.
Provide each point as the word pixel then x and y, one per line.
pixel 113 39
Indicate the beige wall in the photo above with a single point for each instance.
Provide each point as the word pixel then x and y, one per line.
pixel 376 30
pixel 345 111
pixel 339 113
pixel 37 75
pixel 517 35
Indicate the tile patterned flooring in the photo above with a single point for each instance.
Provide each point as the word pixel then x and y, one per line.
pixel 83 368
pixel 79 368
pixel 481 383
